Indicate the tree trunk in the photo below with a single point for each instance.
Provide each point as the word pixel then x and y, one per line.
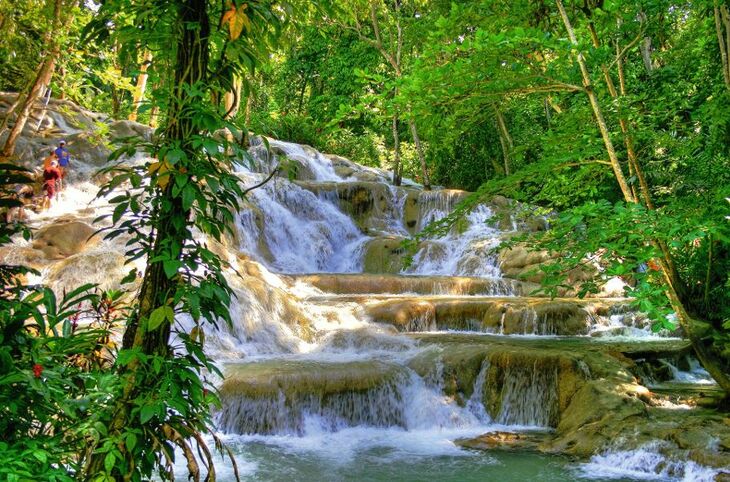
pixel 597 112
pixel 190 68
pixel 505 140
pixel 11 110
pixel 42 78
pixel 697 331
pixel 645 47
pixel 232 98
pixel 421 155
pixel 141 86
pixel 722 29
pixel 623 123
pixel 397 179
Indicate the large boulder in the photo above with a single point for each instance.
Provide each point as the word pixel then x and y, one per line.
pixel 64 238
pixel 103 268
pixel 384 255
pixel 523 263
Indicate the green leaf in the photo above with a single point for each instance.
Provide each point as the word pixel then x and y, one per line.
pixel 159 315
pixel 130 277
pixel 119 212
pixel 171 267
pixel 188 196
pixel 109 462
pixel 40 455
pixel 146 413
pixel 131 441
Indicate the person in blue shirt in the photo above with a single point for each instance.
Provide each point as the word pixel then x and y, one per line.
pixel 64 158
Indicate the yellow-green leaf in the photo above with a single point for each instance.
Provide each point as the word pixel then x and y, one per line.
pixel 239 21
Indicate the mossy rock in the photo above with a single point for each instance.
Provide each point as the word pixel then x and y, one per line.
pixel 384 255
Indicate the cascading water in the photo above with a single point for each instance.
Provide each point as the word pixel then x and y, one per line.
pixel 325 373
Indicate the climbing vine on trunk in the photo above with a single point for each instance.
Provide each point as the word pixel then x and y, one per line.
pixel 163 399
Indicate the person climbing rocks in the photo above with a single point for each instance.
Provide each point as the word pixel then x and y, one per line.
pixel 64 159
pixel 51 177
pixel 23 193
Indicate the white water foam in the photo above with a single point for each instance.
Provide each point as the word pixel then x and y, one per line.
pixel 645 463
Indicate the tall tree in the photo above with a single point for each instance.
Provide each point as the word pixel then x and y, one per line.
pixel 370 20
pixel 162 399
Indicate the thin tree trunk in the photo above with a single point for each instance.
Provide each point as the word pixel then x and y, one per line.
pixel 722 21
pixel 645 47
pixel 634 167
pixel 300 102
pixel 232 98
pixel 42 78
pixel 505 140
pixel 597 112
pixel 397 179
pixel 11 110
pixel 421 155
pixel 141 86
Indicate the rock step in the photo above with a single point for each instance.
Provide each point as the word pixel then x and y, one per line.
pixel 366 283
pixel 275 396
pixel 503 315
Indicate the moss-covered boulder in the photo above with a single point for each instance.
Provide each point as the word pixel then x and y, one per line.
pixel 384 255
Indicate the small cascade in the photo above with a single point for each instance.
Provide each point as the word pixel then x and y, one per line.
pixel 646 463
pixel 467 252
pixel 475 404
pixel 300 397
pixel 312 163
pixel 436 205
pixel 529 396
pixel 289 409
pixel 303 234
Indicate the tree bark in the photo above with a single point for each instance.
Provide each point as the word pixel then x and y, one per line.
pixel 397 179
pixel 141 86
pixel 505 140
pixel 645 47
pixel 42 78
pixel 722 29
pixel 190 68
pixel 232 98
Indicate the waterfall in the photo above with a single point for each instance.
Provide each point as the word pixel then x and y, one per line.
pixel 325 350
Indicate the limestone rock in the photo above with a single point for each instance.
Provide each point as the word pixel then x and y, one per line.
pixel 384 255
pixel 64 238
pixel 101 267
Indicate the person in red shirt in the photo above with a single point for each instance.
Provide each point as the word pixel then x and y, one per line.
pixel 51 178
